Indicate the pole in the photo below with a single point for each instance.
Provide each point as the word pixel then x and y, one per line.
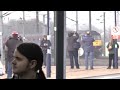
pixel 44 32
pixel 104 32
pixel 60 45
pixel 37 21
pixel 1 36
pixel 90 20
pixel 116 49
pixel 117 16
pixel 23 24
pixel 64 45
pixel 54 37
pixel 48 21
pixel 48 61
pixel 76 20
pixel 115 19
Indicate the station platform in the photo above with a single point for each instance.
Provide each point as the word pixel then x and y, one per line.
pixel 83 73
pixel 80 73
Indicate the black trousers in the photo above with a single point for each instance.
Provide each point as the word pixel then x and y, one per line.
pixel 111 60
pixel 73 54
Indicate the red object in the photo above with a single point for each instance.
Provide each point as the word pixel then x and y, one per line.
pixel 14 32
pixel 115 36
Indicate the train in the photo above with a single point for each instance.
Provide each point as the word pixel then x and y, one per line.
pixel 97 43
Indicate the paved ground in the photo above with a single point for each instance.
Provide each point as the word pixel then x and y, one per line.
pixel 80 73
pixel 109 76
pixel 100 66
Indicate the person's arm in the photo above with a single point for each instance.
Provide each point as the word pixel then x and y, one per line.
pixel 41 44
pixel 77 35
pixel 49 44
pixel 6 48
pixel 6 43
pixel 117 45
pixel 83 39
pixel 93 40
pixel 107 45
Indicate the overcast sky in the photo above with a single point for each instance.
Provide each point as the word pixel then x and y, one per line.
pixel 83 18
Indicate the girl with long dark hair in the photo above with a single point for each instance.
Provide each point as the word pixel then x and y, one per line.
pixel 28 61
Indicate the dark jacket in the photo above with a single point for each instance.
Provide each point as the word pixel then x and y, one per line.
pixel 11 44
pixel 88 43
pixel 71 40
pixel 111 51
pixel 45 44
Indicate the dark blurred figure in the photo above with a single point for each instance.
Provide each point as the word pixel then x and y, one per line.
pixel 6 57
pixel 11 44
pixel 73 53
pixel 45 44
pixel 88 49
pixel 20 38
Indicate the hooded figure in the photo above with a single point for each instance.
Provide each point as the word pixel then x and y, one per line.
pixel 45 44
pixel 71 50
pixel 70 34
pixel 11 44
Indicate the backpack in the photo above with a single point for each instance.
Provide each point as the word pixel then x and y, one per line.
pixel 76 45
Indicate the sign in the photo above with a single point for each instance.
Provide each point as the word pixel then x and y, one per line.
pixel 115 32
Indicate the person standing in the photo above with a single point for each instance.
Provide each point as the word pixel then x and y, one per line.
pixel 45 44
pixel 111 48
pixel 11 44
pixel 88 50
pixel 5 51
pixel 73 52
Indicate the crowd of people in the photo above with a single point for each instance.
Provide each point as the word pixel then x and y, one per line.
pixel 73 50
pixel 24 60
pixel 87 41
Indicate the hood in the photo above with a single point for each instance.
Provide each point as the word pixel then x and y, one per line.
pixel 70 34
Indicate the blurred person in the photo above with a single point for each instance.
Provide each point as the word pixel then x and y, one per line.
pixel 20 38
pixel 45 44
pixel 73 52
pixel 28 61
pixel 88 49
pixel 111 47
pixel 11 44
pixel 5 51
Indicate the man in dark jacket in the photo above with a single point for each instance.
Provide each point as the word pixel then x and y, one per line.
pixel 73 52
pixel 45 44
pixel 11 44
pixel 88 49
pixel 111 51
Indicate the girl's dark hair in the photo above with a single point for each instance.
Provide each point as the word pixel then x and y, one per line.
pixel 33 51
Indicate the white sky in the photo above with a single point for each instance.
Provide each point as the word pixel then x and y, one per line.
pixel 83 17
